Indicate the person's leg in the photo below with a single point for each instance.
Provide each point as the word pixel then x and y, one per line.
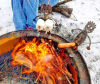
pixel 30 8
pixel 52 2
pixel 18 14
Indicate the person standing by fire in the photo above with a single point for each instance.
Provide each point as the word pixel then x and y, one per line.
pixel 25 10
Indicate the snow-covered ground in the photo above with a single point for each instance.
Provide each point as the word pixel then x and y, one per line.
pixel 84 11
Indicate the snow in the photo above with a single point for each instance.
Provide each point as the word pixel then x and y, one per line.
pixel 6 22
pixel 83 11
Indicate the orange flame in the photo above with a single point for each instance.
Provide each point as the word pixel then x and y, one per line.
pixel 42 58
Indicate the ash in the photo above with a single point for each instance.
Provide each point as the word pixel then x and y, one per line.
pixel 83 11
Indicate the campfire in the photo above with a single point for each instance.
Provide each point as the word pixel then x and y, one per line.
pixel 45 59
pixel 39 57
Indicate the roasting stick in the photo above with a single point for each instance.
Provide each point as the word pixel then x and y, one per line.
pixel 66 45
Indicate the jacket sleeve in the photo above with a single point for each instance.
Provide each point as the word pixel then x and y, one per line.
pixel 19 17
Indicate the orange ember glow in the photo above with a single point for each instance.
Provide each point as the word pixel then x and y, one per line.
pixel 41 57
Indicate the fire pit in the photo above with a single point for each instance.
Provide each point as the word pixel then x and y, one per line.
pixel 29 56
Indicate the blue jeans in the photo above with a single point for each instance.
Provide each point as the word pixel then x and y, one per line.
pixel 24 11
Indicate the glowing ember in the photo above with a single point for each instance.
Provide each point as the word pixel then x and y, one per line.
pixel 41 57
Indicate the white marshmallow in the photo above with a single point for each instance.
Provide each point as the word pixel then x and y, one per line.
pixel 48 25
pixel 40 24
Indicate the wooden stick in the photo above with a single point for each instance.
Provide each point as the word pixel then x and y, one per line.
pixel 66 45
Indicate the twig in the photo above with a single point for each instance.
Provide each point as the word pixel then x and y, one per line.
pixel 75 19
